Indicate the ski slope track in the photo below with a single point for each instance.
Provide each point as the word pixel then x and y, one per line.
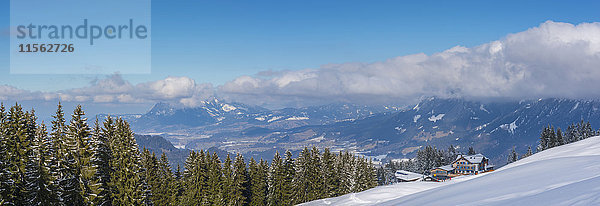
pixel 565 175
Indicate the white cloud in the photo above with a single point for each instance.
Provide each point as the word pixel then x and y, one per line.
pixel 551 60
pixel 169 88
pixel 7 92
pixel 114 89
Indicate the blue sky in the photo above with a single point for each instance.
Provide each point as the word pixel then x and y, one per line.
pixel 216 41
pixel 298 53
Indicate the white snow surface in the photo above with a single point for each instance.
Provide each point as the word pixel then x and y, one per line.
pixel 574 107
pixel 296 118
pixel 483 108
pixel 482 126
pixel 228 108
pixel 416 117
pixel 384 194
pixel 275 118
pixel 565 175
pixel 317 139
pixel 435 118
pixel 400 129
pixel 510 127
pixel 407 175
pixel 416 107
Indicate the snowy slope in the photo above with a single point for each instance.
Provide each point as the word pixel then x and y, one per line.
pixel 565 175
pixel 382 194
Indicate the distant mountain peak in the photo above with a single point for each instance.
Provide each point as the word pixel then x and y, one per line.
pixel 162 109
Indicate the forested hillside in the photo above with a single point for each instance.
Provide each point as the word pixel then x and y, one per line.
pixel 73 163
pixel 159 145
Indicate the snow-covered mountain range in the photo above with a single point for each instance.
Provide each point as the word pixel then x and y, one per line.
pixel 218 112
pixel 492 128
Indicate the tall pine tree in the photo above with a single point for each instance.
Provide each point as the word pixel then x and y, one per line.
pixel 5 174
pixel 80 143
pixel 215 181
pixel 20 132
pixel 100 183
pixel 513 156
pixel 330 179
pixel 240 187
pixel 150 173
pixel 528 153
pixel 258 182
pixel 128 186
pixel 227 180
pixel 276 188
pixel 37 177
pixel 163 194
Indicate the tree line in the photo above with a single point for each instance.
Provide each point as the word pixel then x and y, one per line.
pixel 73 163
pixel 551 137
pixel 286 181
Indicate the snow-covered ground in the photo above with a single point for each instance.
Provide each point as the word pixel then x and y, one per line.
pixel 565 175
pixel 382 194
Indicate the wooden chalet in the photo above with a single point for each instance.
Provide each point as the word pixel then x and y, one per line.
pixel 471 164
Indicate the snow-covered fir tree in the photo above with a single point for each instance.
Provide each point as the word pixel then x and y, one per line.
pixel 239 188
pixel 513 156
pixel 276 190
pixel 80 143
pixel 331 181
pixel 37 177
pixel 528 153
pixel 215 181
pixel 100 184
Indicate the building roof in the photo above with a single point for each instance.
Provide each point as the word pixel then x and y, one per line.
pixel 475 159
pixel 445 167
pixel 407 176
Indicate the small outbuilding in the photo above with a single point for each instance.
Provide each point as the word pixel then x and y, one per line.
pixel 406 176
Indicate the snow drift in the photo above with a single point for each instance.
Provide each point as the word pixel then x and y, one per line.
pixel 565 175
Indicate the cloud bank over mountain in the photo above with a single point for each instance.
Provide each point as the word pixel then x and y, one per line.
pixel 114 89
pixel 552 60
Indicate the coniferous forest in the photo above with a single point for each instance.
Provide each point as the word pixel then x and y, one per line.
pixel 73 163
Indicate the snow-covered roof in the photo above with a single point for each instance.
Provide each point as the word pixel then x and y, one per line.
pixel 446 167
pixel 407 176
pixel 475 159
